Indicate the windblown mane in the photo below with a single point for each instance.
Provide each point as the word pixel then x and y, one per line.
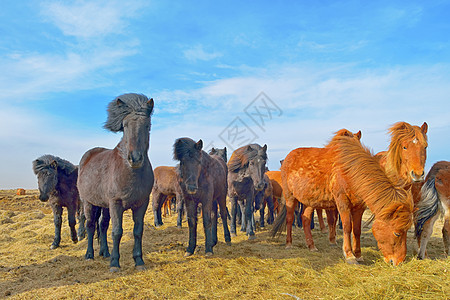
pixel 240 158
pixel 400 132
pixel 369 182
pixel 45 162
pixel 183 147
pixel 130 103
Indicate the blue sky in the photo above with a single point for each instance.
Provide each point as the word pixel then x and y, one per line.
pixel 320 66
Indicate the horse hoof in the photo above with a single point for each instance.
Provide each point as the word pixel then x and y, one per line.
pixel 75 241
pixel 289 246
pixel 360 259
pixel 334 245
pixel 187 254
pixel 114 269
pixel 53 247
pixel 251 237
pixel 313 249
pixel 233 234
pixel 141 268
pixel 179 227
pixel 208 254
pixel 351 261
pixel 228 243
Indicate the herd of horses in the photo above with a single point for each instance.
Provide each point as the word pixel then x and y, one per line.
pixel 344 178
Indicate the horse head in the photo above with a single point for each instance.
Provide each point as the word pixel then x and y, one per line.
pixel 257 166
pixel 390 232
pixel 47 180
pixel 407 152
pixel 219 152
pixel 131 113
pixel 189 154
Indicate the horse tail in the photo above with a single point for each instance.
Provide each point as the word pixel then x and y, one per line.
pixel 428 206
pixel 279 225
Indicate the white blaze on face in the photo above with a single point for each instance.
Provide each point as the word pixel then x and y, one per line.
pixel 415 141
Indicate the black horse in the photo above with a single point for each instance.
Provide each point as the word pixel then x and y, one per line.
pixel 246 169
pixel 119 179
pixel 57 180
pixel 203 179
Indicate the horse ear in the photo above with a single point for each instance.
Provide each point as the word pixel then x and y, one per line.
pixel 281 162
pixel 424 127
pixel 150 105
pixel 249 148
pixel 54 164
pixel 265 147
pixel 358 135
pixel 213 151
pixel 199 145
pixel 119 102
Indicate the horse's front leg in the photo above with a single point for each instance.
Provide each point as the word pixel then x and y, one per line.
pixel 356 225
pixel 191 211
pixel 157 202
pixel 138 230
pixel 347 231
pixel 208 226
pixel 425 236
pixel 323 229
pixel 214 222
pixel 248 214
pixel 222 201
pixel 57 219
pixel 261 215
pixel 306 220
pixel 71 211
pixel 116 212
pixel 179 206
pixel 446 233
pixel 291 203
pixel 270 207
pixel 234 205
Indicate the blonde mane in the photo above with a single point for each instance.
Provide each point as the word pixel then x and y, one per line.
pixel 369 182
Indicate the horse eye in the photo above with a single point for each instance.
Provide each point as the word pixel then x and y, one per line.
pixel 397 234
pixel 404 147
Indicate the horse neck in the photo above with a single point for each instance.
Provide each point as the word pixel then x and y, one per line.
pixel 205 163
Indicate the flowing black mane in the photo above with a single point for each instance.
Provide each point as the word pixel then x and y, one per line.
pixel 124 105
pixel 48 161
pixel 240 158
pixel 184 147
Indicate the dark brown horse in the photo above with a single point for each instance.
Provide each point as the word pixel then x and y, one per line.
pixel 246 170
pixel 119 179
pixel 203 179
pixel 265 198
pixel 434 201
pixel 57 180
pixel 167 186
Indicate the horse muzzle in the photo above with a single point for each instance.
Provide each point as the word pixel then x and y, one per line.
pixel 135 160
pixel 259 187
pixel 43 198
pixel 416 177
pixel 191 189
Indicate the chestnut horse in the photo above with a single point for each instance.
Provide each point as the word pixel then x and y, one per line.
pixel 167 186
pixel 119 179
pixel 404 161
pixel 265 197
pixel 57 182
pixel 434 201
pixel 246 169
pixel 277 190
pixel 203 179
pixel 307 178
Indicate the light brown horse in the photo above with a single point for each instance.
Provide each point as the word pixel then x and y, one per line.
pixel 307 178
pixel 404 161
pixel 432 202
pixel 277 190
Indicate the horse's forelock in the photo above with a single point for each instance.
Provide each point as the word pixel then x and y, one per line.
pixel 124 105
pixel 184 147
pixel 46 162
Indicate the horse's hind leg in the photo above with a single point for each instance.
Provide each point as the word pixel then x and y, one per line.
pixel 234 206
pixel 261 214
pixel 224 216
pixel 91 219
pixel 157 202
pixel 138 230
pixel 214 223
pixel 425 236
pixel 323 229
pixel 270 206
pixel 57 219
pixel 446 235
pixel 81 220
pixel 71 211
pixel 180 204
pixel 306 220
pixel 331 220
pixel 208 226
pixel 103 229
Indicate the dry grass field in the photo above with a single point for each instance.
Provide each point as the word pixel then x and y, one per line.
pixel 260 269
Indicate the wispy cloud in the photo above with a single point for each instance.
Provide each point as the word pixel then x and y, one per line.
pixel 198 53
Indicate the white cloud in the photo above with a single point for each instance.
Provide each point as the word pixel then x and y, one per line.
pixel 89 19
pixel 198 53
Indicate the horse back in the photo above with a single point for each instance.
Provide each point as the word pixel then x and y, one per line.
pixel 166 180
pixel 307 175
